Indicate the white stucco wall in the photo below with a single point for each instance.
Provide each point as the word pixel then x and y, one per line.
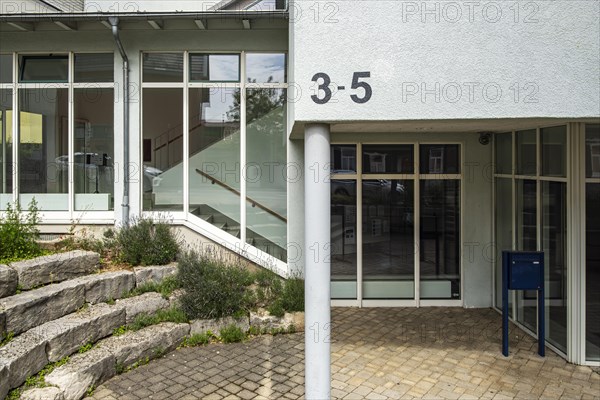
pixel 449 60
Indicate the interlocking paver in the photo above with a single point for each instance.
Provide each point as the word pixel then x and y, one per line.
pixel 387 353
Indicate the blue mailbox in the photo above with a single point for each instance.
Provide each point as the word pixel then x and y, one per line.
pixel 523 270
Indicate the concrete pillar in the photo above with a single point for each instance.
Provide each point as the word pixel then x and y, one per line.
pixel 317 222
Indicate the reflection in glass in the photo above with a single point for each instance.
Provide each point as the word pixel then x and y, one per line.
pixel 6 159
pixel 503 146
pixel 554 245
pixel 6 68
pixel 162 173
pixel 265 171
pixel 163 67
pixel 526 215
pixel 503 231
pixel 388 239
pixel 526 152
pixel 592 271
pixel 214 157
pixel 388 159
pixel 215 67
pixel 343 239
pixel 94 67
pixel 343 158
pixel 43 144
pixel 440 239
pixel 526 240
pixel 47 68
pixel 265 67
pixel 439 158
pixel 592 150
pixel 554 151
pixel 93 146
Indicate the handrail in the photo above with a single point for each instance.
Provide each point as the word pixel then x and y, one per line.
pixel 255 203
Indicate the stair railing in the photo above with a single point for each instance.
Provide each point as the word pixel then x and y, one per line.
pixel 254 203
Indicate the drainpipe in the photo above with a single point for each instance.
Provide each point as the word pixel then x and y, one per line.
pixel 114 23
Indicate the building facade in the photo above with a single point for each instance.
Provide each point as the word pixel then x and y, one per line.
pixel 387 150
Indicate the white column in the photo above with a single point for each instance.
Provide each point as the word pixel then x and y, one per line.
pixel 317 269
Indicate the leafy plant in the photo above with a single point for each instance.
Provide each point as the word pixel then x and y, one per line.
pixel 165 287
pixel 213 289
pixel 292 298
pixel 9 337
pixel 232 334
pixel 147 242
pixel 121 330
pixel 86 347
pixel 19 232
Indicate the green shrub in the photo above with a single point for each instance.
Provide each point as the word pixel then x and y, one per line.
pixel 232 334
pixel 292 298
pixel 269 287
pixel 146 242
pixel 276 309
pixel 18 233
pixel 213 289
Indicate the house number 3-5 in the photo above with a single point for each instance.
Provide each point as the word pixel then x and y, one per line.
pixel 324 91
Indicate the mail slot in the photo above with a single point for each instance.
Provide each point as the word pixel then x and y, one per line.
pixel 525 270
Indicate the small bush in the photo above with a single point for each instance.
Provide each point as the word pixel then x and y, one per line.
pixel 269 287
pixel 276 309
pixel 292 298
pixel 146 242
pixel 232 334
pixel 213 289
pixel 18 233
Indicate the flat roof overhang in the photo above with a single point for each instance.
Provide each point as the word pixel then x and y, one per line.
pixel 144 16
pixel 492 125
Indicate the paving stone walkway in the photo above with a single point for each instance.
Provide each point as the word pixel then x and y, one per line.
pixel 383 353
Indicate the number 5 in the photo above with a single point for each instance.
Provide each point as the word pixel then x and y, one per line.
pixel 356 84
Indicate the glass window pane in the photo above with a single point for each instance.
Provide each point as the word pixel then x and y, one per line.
pixel 503 230
pixel 6 159
pixel 592 271
pixel 504 152
pixel 526 240
pixel 526 215
pixel 162 173
pixel 94 67
pixel 343 239
pixel 265 172
pixel 554 151
pixel 93 139
pixel 554 245
pixel 388 239
pixel 343 158
pixel 526 152
pixel 388 159
pixel 439 158
pixel 439 249
pixel 6 68
pixel 43 68
pixel 592 150
pixel 215 67
pixel 214 174
pixel 43 148
pixel 163 67
pixel 265 67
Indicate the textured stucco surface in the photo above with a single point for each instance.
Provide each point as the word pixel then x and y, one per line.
pixel 550 49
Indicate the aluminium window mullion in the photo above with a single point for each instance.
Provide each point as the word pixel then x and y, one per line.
pixel 70 139
pixel 15 130
pixel 417 223
pixel 359 222
pixel 186 138
pixel 242 166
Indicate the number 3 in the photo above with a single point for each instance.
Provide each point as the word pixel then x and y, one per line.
pixel 324 87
